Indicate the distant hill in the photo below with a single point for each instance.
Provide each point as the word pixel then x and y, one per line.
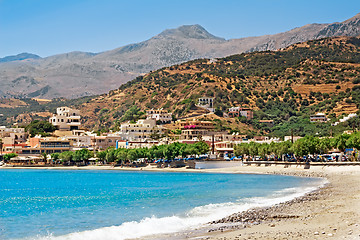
pixel 19 57
pixel 77 74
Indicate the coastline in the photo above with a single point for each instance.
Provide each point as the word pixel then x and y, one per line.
pixel 331 212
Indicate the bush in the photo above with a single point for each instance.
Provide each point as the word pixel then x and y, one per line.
pixel 8 156
pixel 356 81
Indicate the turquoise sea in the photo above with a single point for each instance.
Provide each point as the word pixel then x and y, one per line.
pixel 100 204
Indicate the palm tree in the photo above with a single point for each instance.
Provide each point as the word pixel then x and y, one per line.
pixel 44 155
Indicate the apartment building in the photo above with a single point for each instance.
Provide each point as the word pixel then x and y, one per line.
pixel 159 115
pixel 46 145
pixel 195 129
pixel 142 130
pixel 66 119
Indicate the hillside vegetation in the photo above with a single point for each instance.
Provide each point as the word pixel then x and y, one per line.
pixel 285 86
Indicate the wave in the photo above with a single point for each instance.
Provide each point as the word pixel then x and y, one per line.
pixel 195 218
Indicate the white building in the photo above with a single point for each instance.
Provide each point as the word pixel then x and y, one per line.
pixel 66 119
pixel 139 131
pixel 159 115
pixel 207 103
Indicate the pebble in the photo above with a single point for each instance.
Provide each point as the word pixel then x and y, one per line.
pixel 330 234
pixel 316 233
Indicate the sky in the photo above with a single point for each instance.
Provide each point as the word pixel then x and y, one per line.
pixel 49 27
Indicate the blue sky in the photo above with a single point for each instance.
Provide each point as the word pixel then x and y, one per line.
pixel 48 27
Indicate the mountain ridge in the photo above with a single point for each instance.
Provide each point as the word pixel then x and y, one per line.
pixel 77 74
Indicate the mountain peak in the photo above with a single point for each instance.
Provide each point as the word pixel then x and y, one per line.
pixel 19 57
pixel 189 31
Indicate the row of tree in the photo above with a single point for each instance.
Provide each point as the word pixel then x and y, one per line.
pixel 302 147
pixel 123 155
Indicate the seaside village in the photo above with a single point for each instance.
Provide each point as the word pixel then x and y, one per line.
pixel 145 133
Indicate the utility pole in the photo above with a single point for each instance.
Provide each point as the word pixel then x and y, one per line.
pixel 213 144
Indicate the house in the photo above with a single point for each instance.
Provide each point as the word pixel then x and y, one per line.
pixel 195 129
pixel 66 119
pixel 241 112
pixel 319 117
pixel 13 139
pixel 159 115
pixel 13 135
pixel 207 103
pixel 142 130
pixel 103 142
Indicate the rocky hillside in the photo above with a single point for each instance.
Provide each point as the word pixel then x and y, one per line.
pixel 303 79
pixel 285 86
pixel 76 74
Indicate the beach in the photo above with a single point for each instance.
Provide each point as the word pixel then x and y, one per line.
pixel 332 212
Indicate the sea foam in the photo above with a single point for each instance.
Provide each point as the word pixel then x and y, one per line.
pixel 195 218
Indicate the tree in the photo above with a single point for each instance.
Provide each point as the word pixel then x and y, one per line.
pixel 37 127
pixel 339 141
pixel 263 149
pixel 82 155
pixel 132 114
pixel 55 156
pixel 101 155
pixel 122 156
pixel 253 149
pixel 300 148
pixel 202 147
pixel 324 145
pixel 241 149
pixel 44 155
pixel 354 141
pixel 8 156
pixel 110 155
pixel 132 154
pixel 66 156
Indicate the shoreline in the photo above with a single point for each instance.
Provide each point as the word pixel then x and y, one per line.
pixel 330 212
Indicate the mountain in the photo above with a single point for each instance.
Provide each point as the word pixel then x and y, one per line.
pixel 77 74
pixel 286 86
pixel 19 57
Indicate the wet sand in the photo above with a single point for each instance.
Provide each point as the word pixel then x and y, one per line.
pixel 332 212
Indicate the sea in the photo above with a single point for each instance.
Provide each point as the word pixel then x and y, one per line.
pixel 110 205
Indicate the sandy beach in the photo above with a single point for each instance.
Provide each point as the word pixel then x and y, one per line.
pixel 332 212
